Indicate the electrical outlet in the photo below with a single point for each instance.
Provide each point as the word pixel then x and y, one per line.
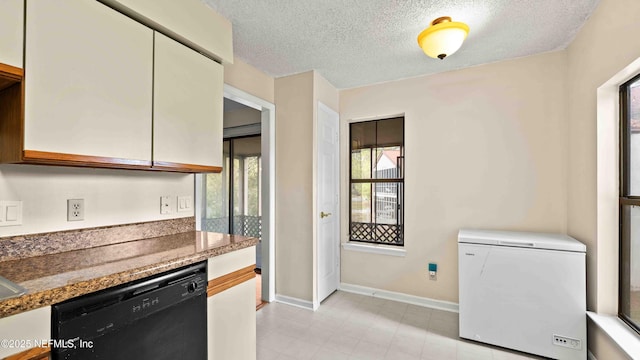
pixel 433 271
pixel 165 205
pixel 567 342
pixel 75 209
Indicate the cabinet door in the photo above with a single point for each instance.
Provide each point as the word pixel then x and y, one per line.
pixel 231 318
pixel 88 73
pixel 193 22
pixel 31 326
pixel 11 32
pixel 187 108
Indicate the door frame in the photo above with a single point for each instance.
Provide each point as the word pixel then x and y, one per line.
pixel 268 186
pixel 316 202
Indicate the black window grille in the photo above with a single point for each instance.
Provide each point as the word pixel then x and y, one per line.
pixel 376 181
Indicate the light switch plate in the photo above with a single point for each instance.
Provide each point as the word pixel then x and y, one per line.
pixel 184 203
pixel 10 213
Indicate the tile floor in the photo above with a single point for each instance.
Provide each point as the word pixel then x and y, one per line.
pixel 350 326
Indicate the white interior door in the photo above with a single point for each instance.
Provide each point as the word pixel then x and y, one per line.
pixel 328 175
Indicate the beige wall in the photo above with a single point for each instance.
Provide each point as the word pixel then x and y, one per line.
pixel 249 79
pixel 605 46
pixel 602 48
pixel 241 117
pixel 297 98
pixel 294 185
pixel 485 148
pixel 111 197
pixel 325 93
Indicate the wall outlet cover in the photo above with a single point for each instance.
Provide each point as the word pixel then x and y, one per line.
pixel 165 205
pixel 75 209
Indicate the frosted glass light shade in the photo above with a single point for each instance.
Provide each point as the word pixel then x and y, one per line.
pixel 443 37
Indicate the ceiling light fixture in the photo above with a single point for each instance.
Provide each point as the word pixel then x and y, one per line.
pixel 443 37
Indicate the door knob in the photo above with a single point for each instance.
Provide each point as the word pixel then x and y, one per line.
pixel 324 214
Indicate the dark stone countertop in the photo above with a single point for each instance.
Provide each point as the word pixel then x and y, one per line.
pixel 53 278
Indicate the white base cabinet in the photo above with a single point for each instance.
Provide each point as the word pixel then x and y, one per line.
pixel 231 306
pixel 21 330
pixel 231 316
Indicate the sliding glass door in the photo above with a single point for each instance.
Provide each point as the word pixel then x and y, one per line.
pixel 246 186
pixel 216 199
pixel 235 191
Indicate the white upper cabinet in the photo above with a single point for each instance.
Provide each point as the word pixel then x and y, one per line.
pixel 192 22
pixel 103 89
pixel 11 32
pixel 89 85
pixel 187 108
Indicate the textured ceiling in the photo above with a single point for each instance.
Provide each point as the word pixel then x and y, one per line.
pixel 359 42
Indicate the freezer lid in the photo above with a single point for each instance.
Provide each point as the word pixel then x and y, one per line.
pixel 521 239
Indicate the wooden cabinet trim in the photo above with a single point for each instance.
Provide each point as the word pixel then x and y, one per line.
pixel 34 157
pixel 177 167
pixel 11 124
pixel 9 75
pixel 11 71
pixel 230 280
pixel 51 158
pixel 37 353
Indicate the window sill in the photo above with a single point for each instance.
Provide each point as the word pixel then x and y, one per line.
pixel 375 249
pixel 627 339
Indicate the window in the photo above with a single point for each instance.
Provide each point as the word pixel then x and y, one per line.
pixel 629 297
pixel 235 191
pixel 376 181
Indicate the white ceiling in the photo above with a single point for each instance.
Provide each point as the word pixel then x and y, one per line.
pixel 359 42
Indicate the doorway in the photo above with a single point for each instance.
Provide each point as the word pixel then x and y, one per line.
pixel 233 198
pixel 248 179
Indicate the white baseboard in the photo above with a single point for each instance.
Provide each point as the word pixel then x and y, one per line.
pixel 396 296
pixel 590 356
pixel 305 304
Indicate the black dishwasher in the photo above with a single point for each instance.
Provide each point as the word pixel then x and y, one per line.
pixel 156 318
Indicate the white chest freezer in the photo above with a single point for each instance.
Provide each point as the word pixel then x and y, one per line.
pixel 523 291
